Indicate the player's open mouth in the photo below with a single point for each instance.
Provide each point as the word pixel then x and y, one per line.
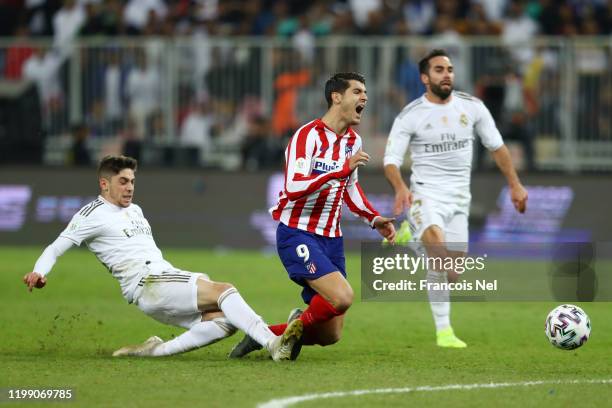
pixel 359 108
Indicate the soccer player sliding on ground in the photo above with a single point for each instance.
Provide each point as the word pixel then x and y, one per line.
pixel 116 231
pixel 439 127
pixel 321 164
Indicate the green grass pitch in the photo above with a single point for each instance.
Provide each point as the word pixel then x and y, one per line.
pixel 63 336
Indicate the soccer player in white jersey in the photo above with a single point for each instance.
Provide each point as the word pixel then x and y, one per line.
pixel 320 173
pixel 116 231
pixel 439 128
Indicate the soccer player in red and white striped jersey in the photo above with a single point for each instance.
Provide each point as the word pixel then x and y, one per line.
pixel 318 178
pixel 321 164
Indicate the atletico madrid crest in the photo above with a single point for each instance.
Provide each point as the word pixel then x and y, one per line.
pixel 311 267
pixel 348 151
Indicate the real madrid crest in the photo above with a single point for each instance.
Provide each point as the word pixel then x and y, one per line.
pixel 463 120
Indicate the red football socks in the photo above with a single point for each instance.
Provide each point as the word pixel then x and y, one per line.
pixel 319 310
pixel 278 329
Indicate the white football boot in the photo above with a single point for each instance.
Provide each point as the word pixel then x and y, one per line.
pixel 139 350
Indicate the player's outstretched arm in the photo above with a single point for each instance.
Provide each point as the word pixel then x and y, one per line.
pixel 403 195
pixel 385 227
pixel 397 146
pixel 518 193
pixel 34 280
pixel 358 203
pixel 37 278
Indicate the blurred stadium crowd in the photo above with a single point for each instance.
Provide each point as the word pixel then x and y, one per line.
pixel 65 19
pixel 211 101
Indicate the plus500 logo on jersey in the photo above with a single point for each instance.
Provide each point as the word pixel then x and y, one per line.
pixel 322 166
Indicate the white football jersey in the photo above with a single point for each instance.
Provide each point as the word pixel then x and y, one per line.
pixel 440 137
pixel 121 238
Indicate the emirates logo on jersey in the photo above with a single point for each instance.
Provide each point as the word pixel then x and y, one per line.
pixel 139 227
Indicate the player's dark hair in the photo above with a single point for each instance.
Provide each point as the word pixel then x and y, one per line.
pixel 339 82
pixel 424 62
pixel 111 165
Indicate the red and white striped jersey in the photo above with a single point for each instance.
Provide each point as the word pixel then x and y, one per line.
pixel 318 179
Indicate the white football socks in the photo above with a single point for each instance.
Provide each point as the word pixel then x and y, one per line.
pixel 240 314
pixel 199 335
pixel 439 300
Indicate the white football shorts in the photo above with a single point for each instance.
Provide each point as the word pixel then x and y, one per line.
pixel 170 296
pixel 451 218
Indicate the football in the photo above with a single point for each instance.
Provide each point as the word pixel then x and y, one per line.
pixel 567 327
